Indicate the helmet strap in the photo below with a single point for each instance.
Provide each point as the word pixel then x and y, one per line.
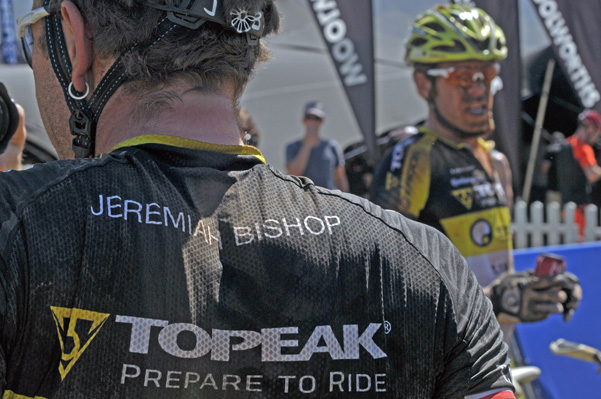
pixel 85 114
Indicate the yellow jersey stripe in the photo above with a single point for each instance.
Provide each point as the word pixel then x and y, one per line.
pixel 415 178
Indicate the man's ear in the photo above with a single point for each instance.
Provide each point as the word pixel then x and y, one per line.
pixel 79 46
pixel 423 84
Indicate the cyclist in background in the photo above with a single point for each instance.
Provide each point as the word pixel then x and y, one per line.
pixel 444 175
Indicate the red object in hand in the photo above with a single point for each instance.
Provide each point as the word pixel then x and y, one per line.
pixel 549 265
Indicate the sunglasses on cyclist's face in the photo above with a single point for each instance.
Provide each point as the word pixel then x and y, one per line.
pixel 24 30
pixel 465 76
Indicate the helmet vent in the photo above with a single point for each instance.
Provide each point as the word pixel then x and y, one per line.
pixel 435 27
pixel 482 45
pixel 458 47
pixel 418 42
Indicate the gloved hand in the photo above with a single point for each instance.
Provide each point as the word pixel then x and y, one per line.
pixel 523 297
pixel 571 286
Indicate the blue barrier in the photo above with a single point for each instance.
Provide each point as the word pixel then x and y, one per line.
pixel 563 377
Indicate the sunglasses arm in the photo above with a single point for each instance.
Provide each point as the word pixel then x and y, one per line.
pixel 440 72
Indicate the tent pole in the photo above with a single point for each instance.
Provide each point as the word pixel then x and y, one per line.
pixel 538 126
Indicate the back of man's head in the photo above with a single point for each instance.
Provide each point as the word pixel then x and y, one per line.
pixel 205 56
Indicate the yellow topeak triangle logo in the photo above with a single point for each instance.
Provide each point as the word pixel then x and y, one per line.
pixel 465 196
pixel 79 344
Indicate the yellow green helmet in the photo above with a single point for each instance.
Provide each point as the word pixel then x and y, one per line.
pixel 455 32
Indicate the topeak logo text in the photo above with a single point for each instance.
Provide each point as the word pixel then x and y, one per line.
pixel 77 328
pixel 271 341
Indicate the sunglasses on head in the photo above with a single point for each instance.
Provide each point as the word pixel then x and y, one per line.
pixel 465 76
pixel 312 117
pixel 24 30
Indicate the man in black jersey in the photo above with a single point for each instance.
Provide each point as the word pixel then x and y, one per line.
pixel 171 262
pixel 445 175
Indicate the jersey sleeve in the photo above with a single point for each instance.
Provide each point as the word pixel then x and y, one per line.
pixel 3 323
pixel 12 260
pixel 585 155
pixel 478 345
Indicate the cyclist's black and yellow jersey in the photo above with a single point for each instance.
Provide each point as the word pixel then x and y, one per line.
pixel 178 269
pixel 441 183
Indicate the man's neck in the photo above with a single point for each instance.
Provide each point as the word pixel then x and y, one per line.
pixel 192 115
pixel 434 124
pixel 480 153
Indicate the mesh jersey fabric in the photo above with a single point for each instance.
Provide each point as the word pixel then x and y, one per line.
pixel 163 271
pixel 438 182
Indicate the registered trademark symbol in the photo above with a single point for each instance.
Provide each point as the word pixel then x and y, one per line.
pixel 387 327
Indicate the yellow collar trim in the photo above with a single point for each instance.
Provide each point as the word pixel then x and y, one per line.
pixel 441 137
pixel 191 144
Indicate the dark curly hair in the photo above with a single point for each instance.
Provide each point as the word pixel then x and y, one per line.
pixel 204 58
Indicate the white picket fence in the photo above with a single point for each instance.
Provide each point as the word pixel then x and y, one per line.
pixel 547 225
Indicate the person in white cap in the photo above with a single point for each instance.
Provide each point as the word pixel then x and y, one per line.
pixel 318 159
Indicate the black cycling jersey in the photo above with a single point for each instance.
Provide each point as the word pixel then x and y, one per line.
pixel 441 183
pixel 178 269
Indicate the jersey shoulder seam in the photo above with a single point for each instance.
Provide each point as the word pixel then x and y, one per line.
pixel 350 199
